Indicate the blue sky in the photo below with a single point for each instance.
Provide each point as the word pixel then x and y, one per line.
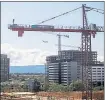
pixel 34 12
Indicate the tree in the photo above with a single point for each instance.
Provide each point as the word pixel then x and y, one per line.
pixel 76 86
pixel 36 86
pixel 98 83
pixel 45 87
pixel 22 79
pixel 25 87
pixel 58 87
pixel 98 88
pixel 2 88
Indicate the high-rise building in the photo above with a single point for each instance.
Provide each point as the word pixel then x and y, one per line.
pixel 64 73
pixel 5 62
pixel 66 67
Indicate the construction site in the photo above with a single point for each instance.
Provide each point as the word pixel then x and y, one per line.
pixel 49 96
pixel 86 58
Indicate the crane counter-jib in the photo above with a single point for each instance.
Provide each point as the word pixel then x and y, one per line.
pixel 29 26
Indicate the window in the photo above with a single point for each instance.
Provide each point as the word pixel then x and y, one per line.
pixel 98 76
pixel 102 73
pixel 98 68
pixel 102 78
pixel 94 76
pixel 93 68
pixel 94 79
pixel 99 79
pixel 98 73
pixel 94 73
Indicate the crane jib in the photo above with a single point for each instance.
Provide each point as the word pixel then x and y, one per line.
pixel 91 28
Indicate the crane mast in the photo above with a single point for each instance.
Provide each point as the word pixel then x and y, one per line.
pixel 86 60
pixel 59 43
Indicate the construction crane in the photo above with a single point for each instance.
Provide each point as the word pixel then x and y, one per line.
pixel 59 49
pixel 86 30
pixel 79 48
pixel 59 40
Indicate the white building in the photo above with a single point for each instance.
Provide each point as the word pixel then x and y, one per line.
pixel 68 72
pixel 71 69
pixel 98 73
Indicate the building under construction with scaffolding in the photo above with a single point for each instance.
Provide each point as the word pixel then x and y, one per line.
pixel 66 67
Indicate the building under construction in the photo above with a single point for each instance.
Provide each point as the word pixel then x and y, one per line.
pixel 66 67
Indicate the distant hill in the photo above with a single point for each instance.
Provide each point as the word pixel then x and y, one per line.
pixel 28 69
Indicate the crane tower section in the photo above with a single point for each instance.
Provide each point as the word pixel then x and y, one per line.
pixel 86 60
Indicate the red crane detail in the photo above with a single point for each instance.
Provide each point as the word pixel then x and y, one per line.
pixel 22 29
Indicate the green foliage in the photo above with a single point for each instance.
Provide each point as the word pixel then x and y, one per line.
pixel 45 87
pixel 54 87
pixel 2 88
pixel 58 88
pixel 25 88
pixel 98 88
pixel 76 86
pixel 22 79
pixel 40 79
pixel 36 86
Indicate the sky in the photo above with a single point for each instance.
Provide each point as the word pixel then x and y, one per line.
pixel 30 49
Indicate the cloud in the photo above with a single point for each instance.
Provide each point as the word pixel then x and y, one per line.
pixel 22 57
pixel 100 58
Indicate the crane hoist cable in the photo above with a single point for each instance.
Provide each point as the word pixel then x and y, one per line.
pixel 98 11
pixel 95 9
pixel 59 15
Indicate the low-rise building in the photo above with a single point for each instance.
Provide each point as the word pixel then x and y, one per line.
pixel 33 85
pixel 98 74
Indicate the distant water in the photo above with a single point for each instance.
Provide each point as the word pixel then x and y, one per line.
pixel 27 69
